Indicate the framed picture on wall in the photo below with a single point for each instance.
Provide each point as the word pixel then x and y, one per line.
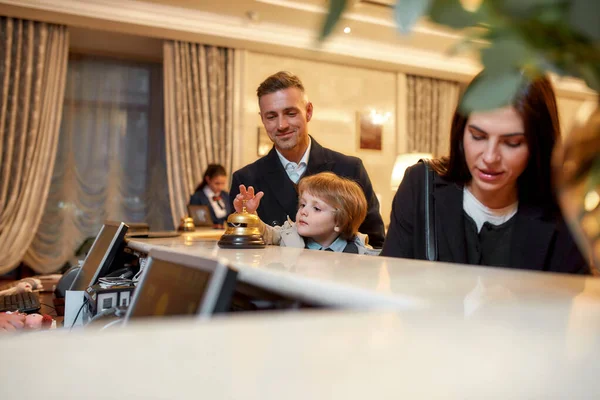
pixel 264 144
pixel 370 131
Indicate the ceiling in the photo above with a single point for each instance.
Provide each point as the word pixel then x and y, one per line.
pixel 283 27
pixel 370 20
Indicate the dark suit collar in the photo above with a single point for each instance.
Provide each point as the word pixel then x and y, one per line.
pixel 272 161
pixel 279 182
pixel 449 219
pixel 282 188
pixel 318 159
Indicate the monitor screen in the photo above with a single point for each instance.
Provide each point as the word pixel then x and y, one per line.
pixel 101 255
pixel 175 284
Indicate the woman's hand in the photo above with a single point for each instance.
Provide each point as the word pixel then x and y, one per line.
pixel 252 200
pixel 11 322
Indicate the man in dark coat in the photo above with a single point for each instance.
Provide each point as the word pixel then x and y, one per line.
pixel 285 113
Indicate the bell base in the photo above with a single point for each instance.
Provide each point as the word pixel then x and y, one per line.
pixel 242 242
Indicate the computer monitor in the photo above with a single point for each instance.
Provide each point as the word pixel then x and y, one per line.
pixel 175 284
pixel 100 257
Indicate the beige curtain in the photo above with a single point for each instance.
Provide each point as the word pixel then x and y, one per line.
pixel 199 91
pixel 110 159
pixel 32 83
pixel 430 106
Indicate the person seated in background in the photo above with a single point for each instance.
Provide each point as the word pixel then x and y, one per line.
pixel 494 203
pixel 330 210
pixel 210 193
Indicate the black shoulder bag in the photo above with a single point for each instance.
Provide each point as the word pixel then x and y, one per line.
pixel 430 237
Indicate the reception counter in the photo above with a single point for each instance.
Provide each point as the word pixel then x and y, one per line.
pixel 367 282
pixel 396 328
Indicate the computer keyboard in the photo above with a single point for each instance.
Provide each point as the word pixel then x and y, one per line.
pixel 26 302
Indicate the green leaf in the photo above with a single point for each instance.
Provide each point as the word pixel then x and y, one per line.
pixel 525 8
pixel 507 53
pixel 336 8
pixel 547 65
pixel 451 13
pixel 590 75
pixel 491 91
pixel 408 12
pixel 584 17
pixel 470 40
pixel 551 15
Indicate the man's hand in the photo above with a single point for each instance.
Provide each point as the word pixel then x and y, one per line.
pixel 11 322
pixel 252 201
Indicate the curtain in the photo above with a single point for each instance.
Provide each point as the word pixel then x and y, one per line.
pixel 199 92
pixel 110 160
pixel 430 106
pixel 33 65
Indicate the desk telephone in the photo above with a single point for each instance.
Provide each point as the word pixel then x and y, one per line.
pixel 125 273
pixel 115 288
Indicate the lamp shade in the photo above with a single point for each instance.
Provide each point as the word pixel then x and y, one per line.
pixel 403 161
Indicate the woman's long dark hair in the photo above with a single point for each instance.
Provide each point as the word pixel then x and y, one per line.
pixel 212 171
pixel 536 104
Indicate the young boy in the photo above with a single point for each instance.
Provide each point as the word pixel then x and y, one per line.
pixel 330 210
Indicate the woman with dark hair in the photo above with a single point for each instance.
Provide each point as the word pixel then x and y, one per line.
pixel 492 199
pixel 210 193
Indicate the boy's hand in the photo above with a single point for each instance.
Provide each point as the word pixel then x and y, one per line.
pixel 252 201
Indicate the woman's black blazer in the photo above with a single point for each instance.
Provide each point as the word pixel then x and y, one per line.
pixel 540 240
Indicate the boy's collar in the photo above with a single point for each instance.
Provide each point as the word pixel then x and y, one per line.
pixel 338 244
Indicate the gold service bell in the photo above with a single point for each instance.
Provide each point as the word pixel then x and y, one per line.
pixel 243 231
pixel 187 225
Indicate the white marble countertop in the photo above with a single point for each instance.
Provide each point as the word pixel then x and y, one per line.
pixel 313 355
pixel 456 332
pixel 348 280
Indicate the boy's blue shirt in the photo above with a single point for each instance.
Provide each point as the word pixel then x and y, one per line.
pixel 338 245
